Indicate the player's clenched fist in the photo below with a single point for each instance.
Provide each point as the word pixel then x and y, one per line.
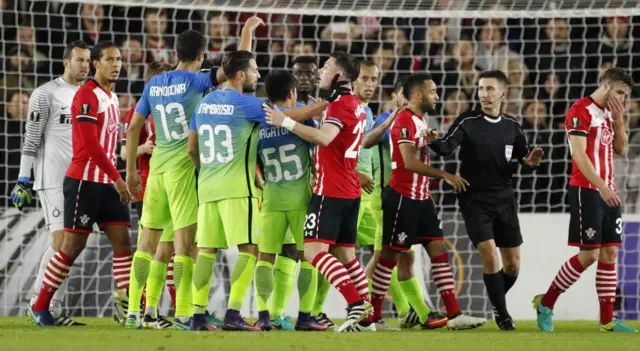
pixel 133 185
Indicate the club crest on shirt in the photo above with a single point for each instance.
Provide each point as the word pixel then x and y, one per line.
pixel 508 151
pixel 607 136
pixel 85 109
pixel 575 122
pixel 34 116
pixel 404 133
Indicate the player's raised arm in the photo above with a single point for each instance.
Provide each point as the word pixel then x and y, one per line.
pixel 338 88
pixel 246 39
pixel 380 130
pixel 323 136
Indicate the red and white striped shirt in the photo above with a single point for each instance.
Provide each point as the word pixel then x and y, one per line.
pixel 408 128
pixel 95 119
pixel 587 118
pixel 336 163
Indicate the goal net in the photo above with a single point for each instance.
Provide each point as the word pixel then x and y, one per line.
pixel 552 51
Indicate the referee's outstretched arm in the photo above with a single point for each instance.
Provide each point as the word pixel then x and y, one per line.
pixel 454 137
pixel 523 152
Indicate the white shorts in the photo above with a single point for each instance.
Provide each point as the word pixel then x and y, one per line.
pixel 52 201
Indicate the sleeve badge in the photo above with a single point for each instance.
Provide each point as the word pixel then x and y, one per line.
pixel 85 109
pixel 575 122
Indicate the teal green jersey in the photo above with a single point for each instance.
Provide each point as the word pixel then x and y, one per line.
pixel 170 99
pixel 381 162
pixel 364 156
pixel 227 124
pixel 285 160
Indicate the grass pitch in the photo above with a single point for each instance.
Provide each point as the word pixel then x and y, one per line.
pixel 103 334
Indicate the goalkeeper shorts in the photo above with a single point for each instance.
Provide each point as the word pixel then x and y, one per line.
pixel 52 201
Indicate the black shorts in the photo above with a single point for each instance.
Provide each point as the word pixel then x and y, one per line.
pixel 406 222
pixel 496 221
pixel 592 223
pixel 86 203
pixel 332 221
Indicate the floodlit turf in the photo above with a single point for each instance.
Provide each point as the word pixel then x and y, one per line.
pixel 104 334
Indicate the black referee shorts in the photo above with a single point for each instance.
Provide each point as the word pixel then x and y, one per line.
pixel 486 220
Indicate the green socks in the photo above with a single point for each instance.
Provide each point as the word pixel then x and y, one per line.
pixel 321 295
pixel 263 284
pixel 202 276
pixel 307 286
pixel 139 275
pixel 284 276
pixel 414 295
pixel 182 277
pixel 241 279
pixel 155 283
pixel 402 305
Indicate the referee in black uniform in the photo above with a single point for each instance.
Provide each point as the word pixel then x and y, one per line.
pixel 490 142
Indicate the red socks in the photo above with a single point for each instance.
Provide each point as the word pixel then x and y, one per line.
pixel 122 269
pixel 337 275
pixel 569 273
pixel 170 284
pixel 606 282
pixel 57 271
pixel 360 282
pixel 380 284
pixel 443 278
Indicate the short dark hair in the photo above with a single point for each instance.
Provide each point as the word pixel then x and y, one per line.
pixel 617 74
pixel 495 74
pixel 413 82
pixel 236 61
pixel 157 67
pixel 278 84
pixel 349 65
pixel 68 50
pixel 400 84
pixel 367 63
pixel 96 51
pixel 190 44
pixel 306 60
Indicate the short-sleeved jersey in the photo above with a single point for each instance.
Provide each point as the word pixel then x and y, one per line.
pixel 170 98
pixel 93 104
pixel 285 160
pixel 48 133
pixel 227 123
pixel 407 129
pixel 586 118
pixel 146 132
pixel 336 174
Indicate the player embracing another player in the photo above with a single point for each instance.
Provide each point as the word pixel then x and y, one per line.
pixel 409 214
pixel 332 213
pixel 596 129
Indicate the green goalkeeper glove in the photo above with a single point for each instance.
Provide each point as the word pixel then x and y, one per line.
pixel 21 193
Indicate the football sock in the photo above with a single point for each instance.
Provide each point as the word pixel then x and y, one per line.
pixel 183 277
pixel 56 273
pixel 443 278
pixel 413 292
pixel 241 279
pixel 141 264
pixel 495 289
pixel 170 285
pixel 321 294
pixel 122 269
pixel 569 273
pixel 202 276
pixel 263 282
pixel 606 282
pixel 284 276
pixel 307 286
pixel 402 305
pixel 360 281
pixel 381 279
pixel 508 281
pixel 44 262
pixel 337 275
pixel 155 283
